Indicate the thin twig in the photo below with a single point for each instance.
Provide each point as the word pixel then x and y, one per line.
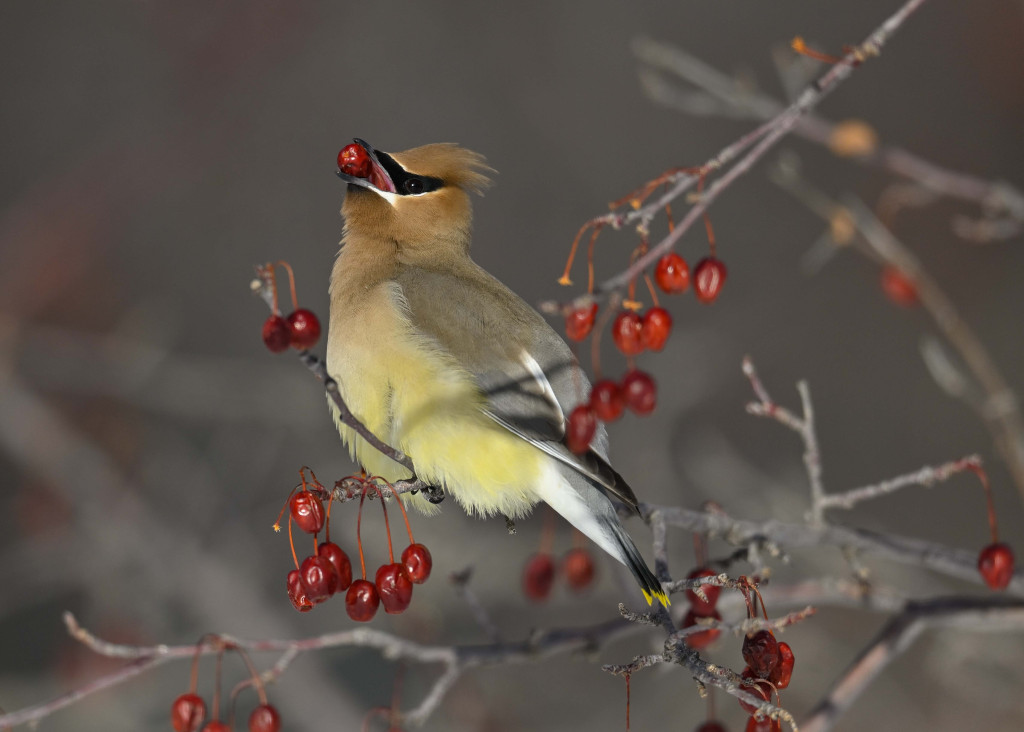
pixel 926 476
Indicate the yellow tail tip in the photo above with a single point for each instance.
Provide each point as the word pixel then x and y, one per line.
pixel 659 596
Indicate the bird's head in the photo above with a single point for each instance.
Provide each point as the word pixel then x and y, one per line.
pixel 417 199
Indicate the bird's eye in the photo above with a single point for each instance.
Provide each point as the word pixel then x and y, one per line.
pixel 413 185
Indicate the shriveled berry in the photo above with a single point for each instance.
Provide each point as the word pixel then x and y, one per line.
pixel 339 560
pixel 995 562
pixel 394 588
pixel 580 321
pixel 627 333
pixel 276 334
pixel 297 592
pixel 264 718
pixel 353 160
pixel 307 511
pixel 701 640
pixel 712 591
pixel 898 287
pixel 216 726
pixel 417 562
pixel 581 429
pixel 187 713
pixel 784 671
pixel 538 576
pixel 578 567
pixel 761 652
pixel 672 274
pixel 319 578
pixel 655 328
pixel 757 687
pixel 639 392
pixel 606 400
pixel 708 278
pixel 304 327
pixel 361 601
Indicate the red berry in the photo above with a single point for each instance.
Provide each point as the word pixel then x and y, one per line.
pixel 898 287
pixel 394 588
pixel 656 325
pixel 672 274
pixel 538 576
pixel 761 652
pixel 606 400
pixel 639 392
pixel 578 566
pixel 996 565
pixel 304 329
pixel 581 429
pixel 307 511
pixel 626 332
pixel 216 726
pixel 708 278
pixel 417 563
pixel 784 671
pixel 712 592
pixel 339 560
pixel 579 322
pixel 711 726
pixel 361 601
pixel 319 578
pixel 757 687
pixel 353 160
pixel 763 725
pixel 264 718
pixel 276 334
pixel 700 641
pixel 297 593
pixel 187 712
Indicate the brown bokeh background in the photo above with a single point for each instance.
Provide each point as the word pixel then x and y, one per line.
pixel 153 152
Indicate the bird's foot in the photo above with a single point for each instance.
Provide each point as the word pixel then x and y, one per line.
pixel 433 493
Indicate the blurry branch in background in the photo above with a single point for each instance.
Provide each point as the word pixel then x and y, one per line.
pixel 723 95
pixel 986 390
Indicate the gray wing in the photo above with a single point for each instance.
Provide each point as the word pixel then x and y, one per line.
pixel 524 368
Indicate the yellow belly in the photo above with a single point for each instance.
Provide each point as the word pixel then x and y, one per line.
pixel 412 395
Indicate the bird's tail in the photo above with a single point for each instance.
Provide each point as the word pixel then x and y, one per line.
pixel 630 556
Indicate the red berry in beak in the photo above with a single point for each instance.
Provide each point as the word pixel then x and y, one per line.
pixel 626 332
pixel 394 588
pixel 264 718
pixel 579 568
pixel 996 565
pixel 361 601
pixel 304 329
pixel 672 274
pixel 276 334
pixel 579 322
pixel 339 560
pixel 307 512
pixel 417 563
pixel 655 327
pixel 581 429
pixel 606 400
pixel 353 160
pixel 708 278
pixel 640 392
pixel 187 713
pixel 538 576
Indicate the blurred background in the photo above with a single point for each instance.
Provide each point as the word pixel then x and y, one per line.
pixel 155 151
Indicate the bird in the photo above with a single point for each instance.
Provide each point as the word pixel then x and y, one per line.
pixel 442 361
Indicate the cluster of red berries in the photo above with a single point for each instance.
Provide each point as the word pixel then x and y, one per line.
pixel 769 665
pixel 540 571
pixel 328 570
pixel 673 276
pixel 300 330
pixel 188 712
pixel 608 400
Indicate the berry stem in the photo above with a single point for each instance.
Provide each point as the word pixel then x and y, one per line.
pixel 707 220
pixel 291 282
pixel 983 477
pixel 277 521
pixel 291 543
pixel 628 676
pixel 590 259
pixel 273 290
pixel 401 506
pixel 387 524
pixel 595 345
pixel 216 683
pixel 800 46
pixel 359 536
pixel 261 692
pixel 564 279
pixel 650 288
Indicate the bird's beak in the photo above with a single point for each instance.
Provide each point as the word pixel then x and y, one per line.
pixel 378 180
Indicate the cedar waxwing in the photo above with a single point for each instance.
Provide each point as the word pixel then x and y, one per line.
pixel 439 359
